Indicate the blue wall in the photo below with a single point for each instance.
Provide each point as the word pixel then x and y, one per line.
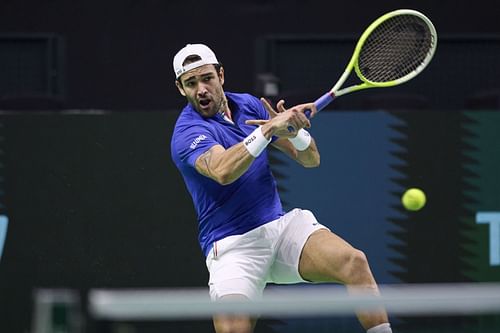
pixel 351 192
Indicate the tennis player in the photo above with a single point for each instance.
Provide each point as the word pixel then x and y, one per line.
pixel 220 145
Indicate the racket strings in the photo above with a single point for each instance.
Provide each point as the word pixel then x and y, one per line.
pixel 394 49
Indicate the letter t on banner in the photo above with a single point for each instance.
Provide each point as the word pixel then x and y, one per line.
pixel 4 221
pixel 493 219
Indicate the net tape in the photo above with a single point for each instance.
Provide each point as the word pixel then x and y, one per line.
pixel 410 300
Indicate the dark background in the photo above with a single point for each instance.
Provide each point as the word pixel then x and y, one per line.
pixel 92 197
pixel 118 53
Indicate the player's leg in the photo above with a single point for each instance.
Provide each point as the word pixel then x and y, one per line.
pixel 238 267
pixel 233 323
pixel 328 258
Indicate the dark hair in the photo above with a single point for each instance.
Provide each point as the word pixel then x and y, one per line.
pixel 190 59
pixel 194 58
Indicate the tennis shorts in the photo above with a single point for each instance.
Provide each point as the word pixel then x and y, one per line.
pixel 244 264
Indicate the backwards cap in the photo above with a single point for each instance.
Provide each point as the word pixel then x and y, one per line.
pixel 204 52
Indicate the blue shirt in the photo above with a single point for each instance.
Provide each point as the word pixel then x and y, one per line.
pixel 224 210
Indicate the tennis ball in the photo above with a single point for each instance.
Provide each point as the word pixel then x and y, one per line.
pixel 413 199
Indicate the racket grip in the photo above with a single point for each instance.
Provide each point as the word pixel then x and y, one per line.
pixel 320 103
pixel 324 100
pixel 308 115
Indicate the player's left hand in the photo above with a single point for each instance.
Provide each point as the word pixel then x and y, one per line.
pixel 284 118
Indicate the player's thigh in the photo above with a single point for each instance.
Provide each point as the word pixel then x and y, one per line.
pixel 326 257
pixel 239 264
pixel 233 323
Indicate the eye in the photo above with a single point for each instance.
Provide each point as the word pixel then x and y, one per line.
pixel 189 84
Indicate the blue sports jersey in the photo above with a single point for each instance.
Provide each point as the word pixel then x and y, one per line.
pixel 224 210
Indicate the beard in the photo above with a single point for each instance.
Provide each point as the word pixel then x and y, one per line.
pixel 210 105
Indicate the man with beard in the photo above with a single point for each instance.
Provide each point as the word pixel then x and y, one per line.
pixel 219 146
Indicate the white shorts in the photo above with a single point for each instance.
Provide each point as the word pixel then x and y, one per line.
pixel 244 264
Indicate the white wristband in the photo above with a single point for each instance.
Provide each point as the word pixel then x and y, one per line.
pixel 302 140
pixel 256 142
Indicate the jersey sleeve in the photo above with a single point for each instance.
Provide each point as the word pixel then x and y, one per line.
pixel 192 141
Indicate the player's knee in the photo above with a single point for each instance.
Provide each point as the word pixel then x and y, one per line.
pixel 233 325
pixel 234 329
pixel 357 265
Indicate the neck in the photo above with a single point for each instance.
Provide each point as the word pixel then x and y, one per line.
pixel 224 109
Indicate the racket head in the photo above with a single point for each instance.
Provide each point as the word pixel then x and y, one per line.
pixel 395 48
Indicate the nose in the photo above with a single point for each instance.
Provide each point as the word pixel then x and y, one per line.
pixel 202 89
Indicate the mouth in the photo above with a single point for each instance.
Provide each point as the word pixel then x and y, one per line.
pixel 204 103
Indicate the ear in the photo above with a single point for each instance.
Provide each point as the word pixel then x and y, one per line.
pixel 221 75
pixel 180 88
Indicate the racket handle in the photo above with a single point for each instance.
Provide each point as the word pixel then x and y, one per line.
pixel 320 103
pixel 323 101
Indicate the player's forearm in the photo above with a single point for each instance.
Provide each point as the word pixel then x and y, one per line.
pixel 233 163
pixel 310 157
pixel 305 149
pixel 225 166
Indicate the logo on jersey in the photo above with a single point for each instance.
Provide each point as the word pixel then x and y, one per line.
pixel 195 142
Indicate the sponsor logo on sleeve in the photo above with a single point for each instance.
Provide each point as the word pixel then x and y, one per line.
pixel 195 142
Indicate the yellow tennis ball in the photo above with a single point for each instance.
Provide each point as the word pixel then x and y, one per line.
pixel 413 199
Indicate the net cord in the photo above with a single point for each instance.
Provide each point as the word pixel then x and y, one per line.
pixel 408 300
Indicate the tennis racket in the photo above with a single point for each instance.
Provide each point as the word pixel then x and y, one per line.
pixel 394 49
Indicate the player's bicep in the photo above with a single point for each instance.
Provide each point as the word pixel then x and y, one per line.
pixel 207 162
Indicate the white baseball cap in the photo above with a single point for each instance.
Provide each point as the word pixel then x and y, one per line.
pixel 204 52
